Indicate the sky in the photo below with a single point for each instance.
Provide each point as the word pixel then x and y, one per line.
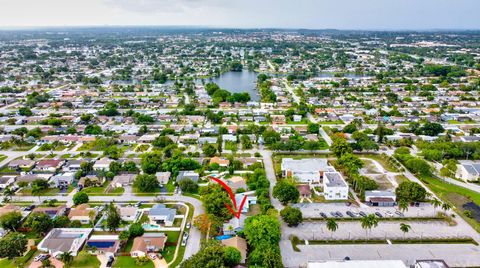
pixel 310 14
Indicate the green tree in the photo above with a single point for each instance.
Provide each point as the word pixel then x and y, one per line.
pixel 188 186
pixel 405 228
pixel 232 256
pixel 262 229
pixel 136 229
pixel 214 199
pixel 113 219
pixel 340 146
pixel 151 162
pixel 146 183
pixel 410 192
pixel 369 222
pixel 66 258
pixel 13 245
pixel 313 128
pixel 209 150
pixel 292 216
pixel 332 226
pixel 11 221
pixel 25 111
pixel 211 254
pixel 39 222
pixel 435 203
pixel 80 198
pixel 285 192
pixel 61 222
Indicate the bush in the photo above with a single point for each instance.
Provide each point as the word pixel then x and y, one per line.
pixel 80 198
pixel 292 216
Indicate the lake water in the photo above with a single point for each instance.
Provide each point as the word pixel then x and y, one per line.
pixel 237 82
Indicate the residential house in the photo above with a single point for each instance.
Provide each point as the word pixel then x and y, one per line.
pixel 61 240
pixel 236 182
pixel 163 177
pixel 251 199
pixel 82 213
pixel 103 164
pixel 148 242
pixel 189 174
pixel 220 161
pixel 304 190
pixel 21 163
pixel 73 165
pixel 62 180
pixel 160 214
pixel 234 225
pixel 52 211
pixel 130 214
pixel 468 170
pixel 123 180
pixel 49 165
pixel 103 244
pixel 240 244
pixel 6 181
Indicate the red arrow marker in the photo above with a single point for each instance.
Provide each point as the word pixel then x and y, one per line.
pixel 232 196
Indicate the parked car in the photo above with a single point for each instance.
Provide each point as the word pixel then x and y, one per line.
pixel 110 261
pixel 152 256
pixel 334 214
pixel 349 213
pixel 378 214
pixel 323 215
pixel 189 225
pixel 389 214
pixel 363 214
pixel 399 213
pixel 41 257
pixel 339 214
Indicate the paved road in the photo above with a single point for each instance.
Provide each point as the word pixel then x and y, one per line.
pixel 270 172
pixel 295 97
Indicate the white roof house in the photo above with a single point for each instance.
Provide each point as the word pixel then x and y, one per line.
pixel 60 240
pixel 468 170
pixel 307 170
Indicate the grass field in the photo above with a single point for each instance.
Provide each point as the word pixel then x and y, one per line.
pixel 126 261
pixel 455 195
pixel 85 260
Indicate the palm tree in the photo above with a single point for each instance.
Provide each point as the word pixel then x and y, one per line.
pixel 66 258
pixel 405 228
pixel 332 226
pixel 403 205
pixel 368 223
pixel 435 203
pixel 446 206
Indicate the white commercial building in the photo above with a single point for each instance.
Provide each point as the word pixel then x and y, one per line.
pixel 309 170
pixel 334 186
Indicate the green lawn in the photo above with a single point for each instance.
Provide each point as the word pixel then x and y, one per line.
pixel 17 262
pixel 455 195
pixel 126 261
pixel 85 260
pixel 2 157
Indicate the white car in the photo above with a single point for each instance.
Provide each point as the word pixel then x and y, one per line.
pixel 152 256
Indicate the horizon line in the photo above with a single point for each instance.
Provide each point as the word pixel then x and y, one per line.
pixel 46 27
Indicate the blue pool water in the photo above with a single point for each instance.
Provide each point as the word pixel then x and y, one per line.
pixel 223 237
pixel 101 244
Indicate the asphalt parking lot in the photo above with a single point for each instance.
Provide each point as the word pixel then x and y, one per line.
pixel 313 210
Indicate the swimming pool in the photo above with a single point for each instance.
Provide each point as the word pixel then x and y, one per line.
pixel 223 237
pixel 101 244
pixel 148 226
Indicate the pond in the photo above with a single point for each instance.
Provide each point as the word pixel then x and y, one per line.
pixel 237 82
